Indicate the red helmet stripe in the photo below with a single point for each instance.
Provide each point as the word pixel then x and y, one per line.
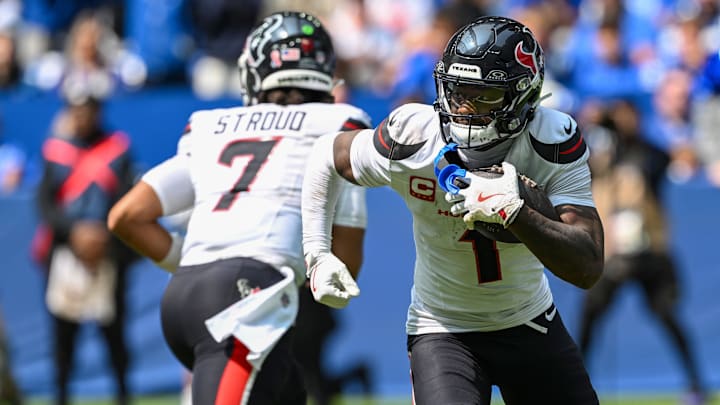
pixel 525 59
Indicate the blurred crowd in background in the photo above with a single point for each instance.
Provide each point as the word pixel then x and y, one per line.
pixel 661 56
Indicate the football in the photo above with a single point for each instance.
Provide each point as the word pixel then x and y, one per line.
pixel 533 195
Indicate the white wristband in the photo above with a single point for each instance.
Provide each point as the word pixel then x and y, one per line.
pixel 172 259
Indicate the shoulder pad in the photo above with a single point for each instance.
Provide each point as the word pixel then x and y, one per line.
pixel 555 136
pixel 405 131
pixel 357 118
pixel 195 122
pixel 352 124
pixel 200 114
pixel 184 136
pixel 187 129
pixel 200 119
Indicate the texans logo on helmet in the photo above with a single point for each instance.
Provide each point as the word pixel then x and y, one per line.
pixel 526 59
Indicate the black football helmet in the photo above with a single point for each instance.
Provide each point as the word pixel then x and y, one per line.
pixel 495 66
pixel 287 49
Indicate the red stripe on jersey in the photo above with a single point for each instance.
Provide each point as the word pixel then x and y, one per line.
pixel 574 147
pixel 235 377
pixel 381 132
pixel 565 152
pixel 353 124
pixel 382 141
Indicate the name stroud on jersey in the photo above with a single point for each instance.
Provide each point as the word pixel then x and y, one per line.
pixel 261 121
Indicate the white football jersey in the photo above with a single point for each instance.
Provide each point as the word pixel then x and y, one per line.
pixel 241 169
pixel 463 281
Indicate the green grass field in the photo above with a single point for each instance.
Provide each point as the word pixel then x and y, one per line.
pixel 607 400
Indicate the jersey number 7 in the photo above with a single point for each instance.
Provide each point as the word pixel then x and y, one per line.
pixel 259 150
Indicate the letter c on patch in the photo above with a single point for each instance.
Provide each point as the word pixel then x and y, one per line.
pixel 422 188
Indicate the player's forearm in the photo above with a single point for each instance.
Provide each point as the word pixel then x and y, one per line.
pixel 134 219
pixel 572 253
pixel 148 239
pixel 320 191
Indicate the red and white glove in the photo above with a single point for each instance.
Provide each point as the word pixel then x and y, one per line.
pixel 495 200
pixel 330 281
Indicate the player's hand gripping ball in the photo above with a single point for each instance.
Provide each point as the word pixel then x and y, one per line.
pixel 494 216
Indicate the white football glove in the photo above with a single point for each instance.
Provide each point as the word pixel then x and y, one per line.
pixel 330 281
pixel 496 200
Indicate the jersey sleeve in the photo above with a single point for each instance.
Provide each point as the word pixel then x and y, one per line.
pixel 559 146
pixel 172 184
pixel 398 137
pixel 370 169
pixel 351 209
pixel 183 144
pixel 574 187
pixel 357 119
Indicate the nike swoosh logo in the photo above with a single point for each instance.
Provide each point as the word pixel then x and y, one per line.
pixel 551 315
pixel 482 197
pixel 568 129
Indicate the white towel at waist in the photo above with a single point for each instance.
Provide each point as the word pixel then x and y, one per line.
pixel 260 319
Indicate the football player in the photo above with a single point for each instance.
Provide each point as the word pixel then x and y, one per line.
pixel 481 312
pixel 227 311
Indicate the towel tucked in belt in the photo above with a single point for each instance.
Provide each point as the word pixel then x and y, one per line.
pixel 260 319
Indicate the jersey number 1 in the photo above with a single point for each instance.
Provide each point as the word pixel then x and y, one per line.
pixel 487 259
pixel 259 150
